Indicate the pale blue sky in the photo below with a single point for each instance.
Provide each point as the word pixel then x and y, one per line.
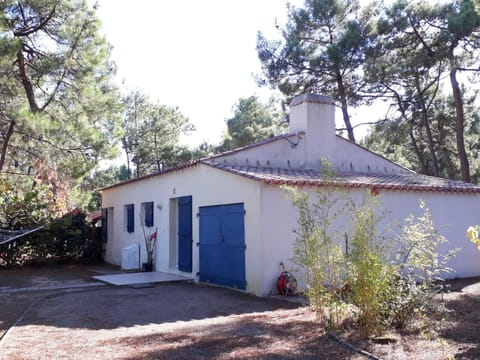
pixel 197 55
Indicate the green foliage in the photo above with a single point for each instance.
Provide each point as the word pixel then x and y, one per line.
pixel 316 250
pixel 68 239
pixel 100 179
pixel 59 106
pixel 420 270
pixel 472 235
pixel 21 209
pixel 386 290
pixel 322 50
pixel 253 121
pixel 369 271
pixel 418 52
pixel 152 134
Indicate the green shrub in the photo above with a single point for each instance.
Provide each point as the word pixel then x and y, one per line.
pixel 389 280
pixel 369 271
pixel 317 253
pixel 68 239
pixel 420 269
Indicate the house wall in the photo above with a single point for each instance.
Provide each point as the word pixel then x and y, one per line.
pixel 278 222
pixel 312 118
pixel 283 153
pixel 207 186
pixel 452 213
pixel 270 220
pixel 352 157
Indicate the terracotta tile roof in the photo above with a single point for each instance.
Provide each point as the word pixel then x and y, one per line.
pixel 308 177
pixel 209 158
pixel 155 174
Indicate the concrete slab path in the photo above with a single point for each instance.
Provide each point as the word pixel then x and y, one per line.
pixel 140 278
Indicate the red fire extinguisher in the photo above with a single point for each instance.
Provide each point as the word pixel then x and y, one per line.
pixel 286 283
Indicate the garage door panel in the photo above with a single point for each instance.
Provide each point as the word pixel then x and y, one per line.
pixel 210 264
pixel 209 229
pixel 234 263
pixel 233 229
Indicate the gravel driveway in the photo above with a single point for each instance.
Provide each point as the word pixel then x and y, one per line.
pixel 106 322
pixel 61 314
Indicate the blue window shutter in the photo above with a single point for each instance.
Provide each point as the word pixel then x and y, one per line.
pixel 148 207
pixel 130 218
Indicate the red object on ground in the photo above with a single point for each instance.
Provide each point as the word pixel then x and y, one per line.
pixel 286 284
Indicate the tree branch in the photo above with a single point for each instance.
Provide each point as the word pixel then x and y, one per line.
pixel 27 84
pixel 30 30
pixel 6 141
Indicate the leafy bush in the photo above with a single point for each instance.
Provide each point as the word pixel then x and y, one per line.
pixel 12 253
pixel 420 269
pixel 369 271
pixel 67 239
pixel 388 284
pixel 316 251
pixel 20 208
pixel 63 238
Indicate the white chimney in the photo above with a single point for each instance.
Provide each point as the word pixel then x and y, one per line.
pixel 314 114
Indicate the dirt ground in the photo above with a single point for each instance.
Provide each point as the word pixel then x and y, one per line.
pixel 60 313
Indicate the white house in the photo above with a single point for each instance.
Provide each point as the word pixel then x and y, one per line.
pixel 225 219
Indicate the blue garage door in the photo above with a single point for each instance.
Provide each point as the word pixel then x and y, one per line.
pixel 222 245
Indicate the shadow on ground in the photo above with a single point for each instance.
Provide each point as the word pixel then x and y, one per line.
pixel 184 320
pixel 112 307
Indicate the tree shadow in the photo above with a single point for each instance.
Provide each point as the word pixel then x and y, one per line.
pixel 463 325
pixel 250 337
pixel 114 307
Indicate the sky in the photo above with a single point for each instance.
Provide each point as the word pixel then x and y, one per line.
pixel 198 56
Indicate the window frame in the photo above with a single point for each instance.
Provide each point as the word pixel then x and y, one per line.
pixel 148 214
pixel 129 210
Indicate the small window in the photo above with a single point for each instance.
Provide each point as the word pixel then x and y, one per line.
pixel 147 210
pixel 129 218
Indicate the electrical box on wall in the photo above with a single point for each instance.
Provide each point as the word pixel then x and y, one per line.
pixel 131 257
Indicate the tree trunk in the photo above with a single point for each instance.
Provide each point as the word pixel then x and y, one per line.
pixel 419 154
pixel 459 125
pixel 431 147
pixel 6 141
pixel 343 100
pixel 27 84
pixel 443 135
pixel 127 155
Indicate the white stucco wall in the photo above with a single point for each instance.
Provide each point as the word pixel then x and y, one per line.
pixel 270 220
pixel 352 157
pixel 207 186
pixel 452 213
pixel 283 153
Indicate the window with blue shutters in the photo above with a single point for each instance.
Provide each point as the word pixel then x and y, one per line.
pixel 130 218
pixel 147 209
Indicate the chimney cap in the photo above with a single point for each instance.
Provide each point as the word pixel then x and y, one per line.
pixel 313 98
